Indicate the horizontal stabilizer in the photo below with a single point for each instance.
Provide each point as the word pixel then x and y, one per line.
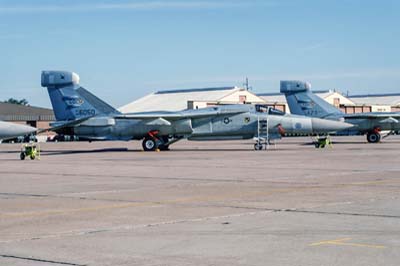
pixel 63 124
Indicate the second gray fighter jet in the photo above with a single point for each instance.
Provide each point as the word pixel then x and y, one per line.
pixel 302 101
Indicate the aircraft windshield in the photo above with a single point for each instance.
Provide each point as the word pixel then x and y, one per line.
pixel 265 108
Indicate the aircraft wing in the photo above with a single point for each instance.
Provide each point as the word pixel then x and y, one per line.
pixel 386 117
pixel 162 116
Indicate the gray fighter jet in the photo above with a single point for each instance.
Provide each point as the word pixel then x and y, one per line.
pixel 12 130
pixel 80 113
pixel 302 101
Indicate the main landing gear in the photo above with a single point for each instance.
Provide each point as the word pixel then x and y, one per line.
pixel 149 144
pixel 153 142
pixel 374 136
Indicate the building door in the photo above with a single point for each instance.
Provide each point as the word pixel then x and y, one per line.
pixel 32 123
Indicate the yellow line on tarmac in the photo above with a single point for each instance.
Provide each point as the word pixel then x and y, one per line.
pixel 341 242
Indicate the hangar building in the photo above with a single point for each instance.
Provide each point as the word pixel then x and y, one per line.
pixel 378 102
pixel 176 100
pixel 34 116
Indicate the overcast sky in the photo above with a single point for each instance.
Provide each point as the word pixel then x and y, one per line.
pixel 123 50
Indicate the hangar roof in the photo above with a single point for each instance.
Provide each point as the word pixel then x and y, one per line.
pixel 173 100
pixel 16 112
pixel 392 99
pixel 280 97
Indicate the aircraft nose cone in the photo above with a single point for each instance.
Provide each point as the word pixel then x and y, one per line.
pixel 326 126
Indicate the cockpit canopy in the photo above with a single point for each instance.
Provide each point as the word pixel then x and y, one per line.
pixel 263 108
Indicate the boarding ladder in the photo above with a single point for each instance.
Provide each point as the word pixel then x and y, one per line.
pixel 263 131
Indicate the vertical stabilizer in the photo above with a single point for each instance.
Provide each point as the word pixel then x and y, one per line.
pixel 69 100
pixel 302 101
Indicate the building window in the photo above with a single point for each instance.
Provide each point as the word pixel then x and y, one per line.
pixel 242 98
pixel 336 102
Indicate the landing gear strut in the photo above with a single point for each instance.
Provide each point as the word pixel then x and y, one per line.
pixel 164 146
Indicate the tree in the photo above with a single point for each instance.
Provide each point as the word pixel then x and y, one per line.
pixel 15 101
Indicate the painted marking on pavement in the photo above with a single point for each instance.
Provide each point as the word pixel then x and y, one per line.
pixel 343 242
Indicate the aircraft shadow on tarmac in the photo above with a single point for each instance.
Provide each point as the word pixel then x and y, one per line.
pixel 111 150
pixel 62 152
pixel 65 152
pixel 353 142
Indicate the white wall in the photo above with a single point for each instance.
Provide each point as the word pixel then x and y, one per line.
pixel 234 97
pixel 381 108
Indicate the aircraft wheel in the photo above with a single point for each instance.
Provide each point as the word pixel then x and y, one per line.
pixel 373 137
pixel 22 156
pixel 149 144
pixel 258 146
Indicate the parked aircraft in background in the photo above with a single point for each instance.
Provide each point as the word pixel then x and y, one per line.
pixel 302 101
pixel 11 130
pixel 80 113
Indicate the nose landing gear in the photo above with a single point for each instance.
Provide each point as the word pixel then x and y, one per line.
pixel 258 146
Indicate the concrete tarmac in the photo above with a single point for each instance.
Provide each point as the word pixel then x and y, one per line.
pixel 202 203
